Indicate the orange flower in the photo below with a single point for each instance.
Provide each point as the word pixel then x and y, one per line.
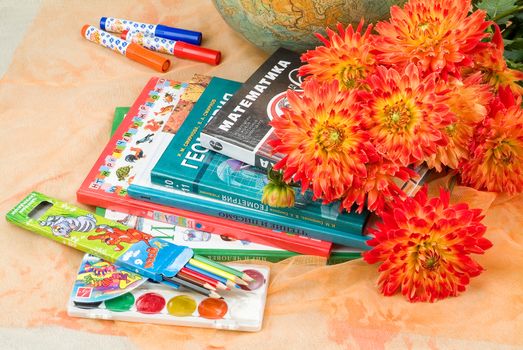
pixel 436 35
pixel 346 57
pixel 468 100
pixel 321 136
pixel 379 188
pixel 496 163
pixel 490 61
pixel 405 114
pixel 424 247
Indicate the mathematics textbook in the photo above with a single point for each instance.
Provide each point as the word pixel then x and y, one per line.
pixel 241 130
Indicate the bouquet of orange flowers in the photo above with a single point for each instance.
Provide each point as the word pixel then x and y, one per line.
pixel 428 86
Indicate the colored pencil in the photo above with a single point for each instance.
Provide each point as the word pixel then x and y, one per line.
pixel 195 280
pixel 194 287
pixel 217 271
pixel 225 268
pixel 205 279
pixel 223 280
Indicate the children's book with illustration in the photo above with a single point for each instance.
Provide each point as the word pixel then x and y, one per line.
pixel 241 128
pixel 187 166
pixel 162 105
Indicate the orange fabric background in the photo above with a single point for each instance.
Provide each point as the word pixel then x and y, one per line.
pixel 56 103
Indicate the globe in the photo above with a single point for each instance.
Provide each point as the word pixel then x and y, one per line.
pixel 270 24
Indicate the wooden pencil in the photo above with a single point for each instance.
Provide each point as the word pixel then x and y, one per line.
pixel 223 267
pixel 217 271
pixel 194 287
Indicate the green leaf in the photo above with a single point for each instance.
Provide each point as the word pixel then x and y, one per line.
pixel 515 65
pixel 494 8
pixel 516 44
pixel 514 55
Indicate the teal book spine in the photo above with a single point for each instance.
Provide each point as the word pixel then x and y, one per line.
pixel 187 166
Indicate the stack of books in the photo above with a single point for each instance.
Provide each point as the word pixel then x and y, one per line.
pixel 188 162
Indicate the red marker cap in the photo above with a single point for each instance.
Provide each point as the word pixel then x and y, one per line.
pixel 197 53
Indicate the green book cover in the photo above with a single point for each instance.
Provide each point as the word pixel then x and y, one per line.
pixel 119 114
pixel 186 165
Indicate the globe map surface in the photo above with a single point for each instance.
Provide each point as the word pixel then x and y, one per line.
pixel 292 23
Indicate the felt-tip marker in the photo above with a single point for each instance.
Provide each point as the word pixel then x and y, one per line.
pixel 126 48
pixel 178 49
pixel 118 25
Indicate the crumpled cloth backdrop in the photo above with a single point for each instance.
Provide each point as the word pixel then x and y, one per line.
pixel 56 103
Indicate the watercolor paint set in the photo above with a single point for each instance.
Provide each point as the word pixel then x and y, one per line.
pixel 104 291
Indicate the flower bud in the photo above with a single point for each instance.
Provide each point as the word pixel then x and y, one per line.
pixel 278 194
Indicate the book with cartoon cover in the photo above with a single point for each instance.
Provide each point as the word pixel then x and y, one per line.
pixel 147 128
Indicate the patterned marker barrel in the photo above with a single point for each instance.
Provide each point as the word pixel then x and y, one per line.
pixel 172 47
pixel 126 48
pixel 118 25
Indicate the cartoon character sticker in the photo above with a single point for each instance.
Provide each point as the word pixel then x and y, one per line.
pixel 137 153
pixel 123 172
pixel 62 226
pixel 114 236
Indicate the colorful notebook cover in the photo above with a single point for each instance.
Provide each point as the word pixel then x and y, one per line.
pixel 187 166
pixel 241 129
pixel 152 109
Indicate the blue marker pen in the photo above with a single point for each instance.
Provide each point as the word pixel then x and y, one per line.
pixel 118 25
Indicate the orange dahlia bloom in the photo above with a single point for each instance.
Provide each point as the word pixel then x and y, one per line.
pixel 491 62
pixel 436 35
pixel 379 188
pixel 321 135
pixel 346 57
pixel 496 163
pixel 405 114
pixel 468 100
pixel 424 247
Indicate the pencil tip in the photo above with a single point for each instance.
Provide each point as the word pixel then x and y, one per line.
pixel 242 282
pixel 215 295
pixel 247 278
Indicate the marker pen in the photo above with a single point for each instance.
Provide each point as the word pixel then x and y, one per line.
pixel 118 25
pixel 175 48
pixel 126 48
